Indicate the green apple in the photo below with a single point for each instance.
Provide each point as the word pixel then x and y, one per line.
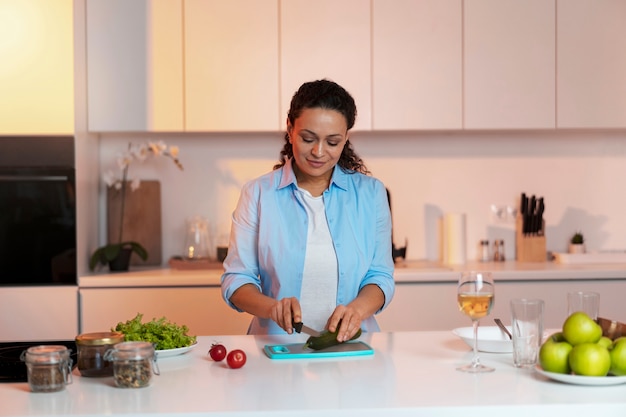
pixel 554 353
pixel 605 341
pixel 618 357
pixel 590 359
pixel 580 328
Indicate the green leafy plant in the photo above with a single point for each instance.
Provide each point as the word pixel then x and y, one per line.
pixel 110 252
pixel 577 239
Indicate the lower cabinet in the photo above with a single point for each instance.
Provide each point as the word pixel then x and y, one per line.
pixel 432 306
pixel 201 309
pixel 38 313
pixel 416 305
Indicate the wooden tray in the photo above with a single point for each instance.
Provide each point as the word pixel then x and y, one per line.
pixel 591 258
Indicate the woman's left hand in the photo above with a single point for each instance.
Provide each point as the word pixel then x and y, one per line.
pixel 368 302
pixel 350 320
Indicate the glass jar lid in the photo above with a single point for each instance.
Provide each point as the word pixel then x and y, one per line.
pixel 46 354
pixel 131 351
pixel 100 338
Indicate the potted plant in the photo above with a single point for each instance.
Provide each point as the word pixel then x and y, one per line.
pixel 577 243
pixel 117 254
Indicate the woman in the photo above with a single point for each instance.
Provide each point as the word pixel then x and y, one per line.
pixel 311 240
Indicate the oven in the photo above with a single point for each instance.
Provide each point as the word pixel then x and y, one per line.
pixel 38 266
pixel 37 213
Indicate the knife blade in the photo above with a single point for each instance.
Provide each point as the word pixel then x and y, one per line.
pixel 301 328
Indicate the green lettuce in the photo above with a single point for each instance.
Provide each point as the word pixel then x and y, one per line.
pixel 162 333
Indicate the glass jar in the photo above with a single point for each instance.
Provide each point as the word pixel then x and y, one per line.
pixel 483 252
pixel 197 239
pixel 48 367
pixel 91 348
pixel 498 250
pixel 133 364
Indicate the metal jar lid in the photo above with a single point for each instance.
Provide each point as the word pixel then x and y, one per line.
pixel 100 338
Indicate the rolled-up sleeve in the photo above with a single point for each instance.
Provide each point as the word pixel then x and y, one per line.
pixel 241 264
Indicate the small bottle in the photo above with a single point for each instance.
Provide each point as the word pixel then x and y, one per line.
pixel 91 349
pixel 484 251
pixel 133 364
pixel 48 367
pixel 498 250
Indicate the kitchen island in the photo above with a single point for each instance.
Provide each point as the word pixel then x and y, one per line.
pixel 410 374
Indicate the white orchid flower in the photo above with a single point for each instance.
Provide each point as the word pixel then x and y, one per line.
pixel 157 148
pixel 135 183
pixel 141 152
pixel 124 160
pixel 109 178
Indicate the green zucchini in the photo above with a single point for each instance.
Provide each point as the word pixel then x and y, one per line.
pixel 327 339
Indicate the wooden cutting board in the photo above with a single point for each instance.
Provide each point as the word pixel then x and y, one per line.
pixel 142 219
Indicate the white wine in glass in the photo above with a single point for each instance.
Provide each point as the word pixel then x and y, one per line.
pixel 475 295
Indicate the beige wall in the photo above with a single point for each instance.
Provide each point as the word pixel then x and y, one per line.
pixel 580 175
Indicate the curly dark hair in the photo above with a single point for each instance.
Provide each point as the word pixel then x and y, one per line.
pixel 328 95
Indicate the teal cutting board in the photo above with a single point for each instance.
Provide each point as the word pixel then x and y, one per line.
pixel 297 351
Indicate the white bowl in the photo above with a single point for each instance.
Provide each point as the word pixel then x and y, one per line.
pixel 490 338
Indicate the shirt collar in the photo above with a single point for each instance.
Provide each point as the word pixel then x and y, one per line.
pixel 339 177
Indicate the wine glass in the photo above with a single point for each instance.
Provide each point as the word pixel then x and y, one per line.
pixel 475 294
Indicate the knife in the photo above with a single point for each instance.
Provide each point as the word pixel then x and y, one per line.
pixel 522 210
pixel 540 209
pixel 301 328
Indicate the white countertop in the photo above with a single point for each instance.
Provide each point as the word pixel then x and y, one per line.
pixel 410 373
pixel 407 272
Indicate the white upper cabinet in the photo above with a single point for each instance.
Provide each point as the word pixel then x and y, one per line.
pixel 134 65
pixel 36 67
pixel 591 64
pixel 417 64
pixel 509 64
pixel 231 65
pixel 327 39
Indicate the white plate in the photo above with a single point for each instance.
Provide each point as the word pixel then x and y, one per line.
pixel 582 380
pixel 490 338
pixel 166 353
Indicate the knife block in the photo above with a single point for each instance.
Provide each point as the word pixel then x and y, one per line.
pixel 529 248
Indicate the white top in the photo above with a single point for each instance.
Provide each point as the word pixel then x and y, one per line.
pixel 410 374
pixel 318 297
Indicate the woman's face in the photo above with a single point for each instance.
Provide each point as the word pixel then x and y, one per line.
pixel 317 137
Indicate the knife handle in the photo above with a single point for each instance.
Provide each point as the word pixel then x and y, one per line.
pixel 297 326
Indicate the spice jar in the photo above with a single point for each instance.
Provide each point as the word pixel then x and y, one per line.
pixel 498 250
pixel 133 364
pixel 91 348
pixel 483 252
pixel 48 367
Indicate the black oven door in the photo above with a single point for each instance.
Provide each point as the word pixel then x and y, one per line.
pixel 37 226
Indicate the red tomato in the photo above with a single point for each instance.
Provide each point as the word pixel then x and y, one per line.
pixel 217 352
pixel 236 358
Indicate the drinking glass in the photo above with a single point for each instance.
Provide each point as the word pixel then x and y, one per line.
pixel 475 294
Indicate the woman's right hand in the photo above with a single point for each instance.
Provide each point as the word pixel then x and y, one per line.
pixel 285 312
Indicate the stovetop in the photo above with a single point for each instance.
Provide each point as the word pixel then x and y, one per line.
pixel 13 369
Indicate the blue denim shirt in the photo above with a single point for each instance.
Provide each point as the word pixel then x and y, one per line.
pixel 269 234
